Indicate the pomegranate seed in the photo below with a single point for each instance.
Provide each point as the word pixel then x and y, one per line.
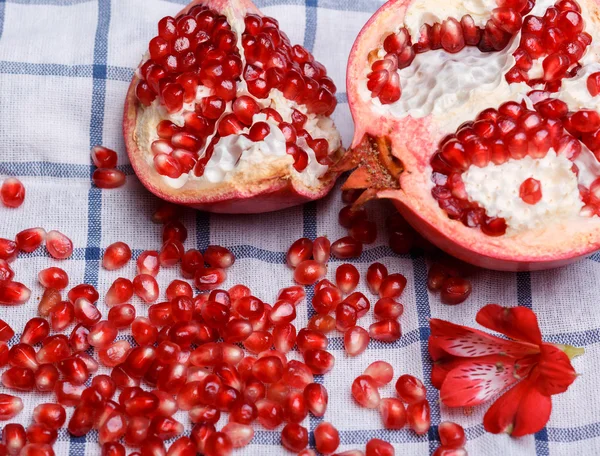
pixel 23 355
pixel 10 406
pixel 6 332
pixel 62 315
pixel 13 293
pixel 345 317
pixel 300 251
pixel 85 312
pixel 270 413
pixel 30 239
pixel 116 256
pixel 218 444
pixel 58 245
pixel 316 398
pixel 452 435
pixel 410 389
pixel 443 451
pixel 347 277
pixel 455 290
pixel 219 257
pixel 531 191
pixel 364 231
pixel 6 272
pixel 12 192
pixel 294 437
pixel 145 287
pixel 108 178
pixel 364 392
pixel 359 302
pixel 183 446
pixel 392 286
pixel 54 348
pixel 378 447
pixel 326 299
pixel 35 331
pixel 239 434
pixel 119 292
pixel 385 331
pixel 209 278
pixel 376 274
pixel 322 323
pixel 356 340
pixel 321 250
pixel 14 438
pixel 153 446
pixel 393 413
pixel 102 334
pixel 115 353
pixel 18 378
pixel 388 309
pixel 53 278
pixel 293 294
pixel 381 372
pixel 74 370
pixel 52 416
pixel 309 271
pixel 147 263
pixel 113 449
pixel 319 361
pixel 103 157
pixel 327 438
pixel 311 339
pixel 418 414
pixel 8 250
pixel 346 247
pixel 268 369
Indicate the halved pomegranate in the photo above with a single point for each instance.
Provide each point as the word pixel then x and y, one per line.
pixel 224 114
pixel 480 121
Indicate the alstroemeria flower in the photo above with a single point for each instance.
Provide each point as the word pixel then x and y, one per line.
pixel 472 367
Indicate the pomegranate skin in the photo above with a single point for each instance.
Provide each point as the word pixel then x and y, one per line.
pixel 412 144
pixel 277 192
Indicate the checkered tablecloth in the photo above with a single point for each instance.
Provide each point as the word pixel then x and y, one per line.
pixel 65 66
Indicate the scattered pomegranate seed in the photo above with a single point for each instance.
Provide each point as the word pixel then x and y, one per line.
pixel 35 331
pixel 346 247
pixel 455 290
pixel 12 192
pixel 13 293
pixel 410 389
pixel 530 191
pixel 419 419
pixel 108 178
pixel 116 256
pixel 381 372
pixel 147 263
pixel 30 239
pixel 321 250
pixel 327 438
pixel 376 274
pixel 388 309
pixel 309 271
pixel 316 398
pixel 10 406
pixel 209 278
pixel 58 245
pixel 53 278
pixel 385 330
pixel 365 392
pixel 356 340
pixel 103 157
pixel 322 323
pixel 393 413
pixel 219 257
pixel 319 361
pixel 378 447
pixel 53 416
pixel 8 250
pixel 347 277
pixel 299 251
pixel 6 272
pixel 145 287
pixel 294 437
pixel 14 438
pixel 392 286
pixel 452 435
pixel 364 231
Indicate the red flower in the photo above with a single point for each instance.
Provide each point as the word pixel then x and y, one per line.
pixel 471 367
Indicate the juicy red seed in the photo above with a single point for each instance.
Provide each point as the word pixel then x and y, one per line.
pixel 30 239
pixel 393 413
pixel 35 331
pixel 378 447
pixel 364 231
pixel 365 392
pixel 119 292
pixel 452 435
pixel 108 178
pixel 8 250
pixel 103 157
pixel 455 290
pixel 321 250
pixel 12 192
pixel 219 257
pixel 530 191
pixel 410 389
pixel 58 245
pixel 381 372
pixel 301 250
pixel 346 247
pixel 309 271
pixel 53 278
pixel 116 256
pixel 356 340
pixel 385 330
pixel 376 274
pixel 13 293
pixel 347 277
pixel 327 438
pixel 419 418
pixel 348 216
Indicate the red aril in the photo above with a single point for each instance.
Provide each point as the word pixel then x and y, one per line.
pixel 30 239
pixel 378 447
pixel 392 286
pixel 103 157
pixel 35 331
pixel 316 398
pixel 8 250
pixel 410 389
pixel 108 178
pixel 116 256
pixel 294 437
pixel 356 340
pixel 381 372
pixel 347 277
pixel 58 245
pixel 346 247
pixel 455 290
pixel 145 287
pixel 385 331
pixel 321 250
pixel 393 413
pixel 365 392
pixel 327 438
pixel 53 278
pixel 309 271
pixel 452 435
pixel 10 406
pixel 219 257
pixel 376 273
pixel 12 192
pixel 299 251
pixel 418 415
pixel 13 293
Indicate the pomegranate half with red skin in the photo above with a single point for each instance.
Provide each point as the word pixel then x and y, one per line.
pixel 224 114
pixel 480 121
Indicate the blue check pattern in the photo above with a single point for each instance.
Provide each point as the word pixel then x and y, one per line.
pixel 67 63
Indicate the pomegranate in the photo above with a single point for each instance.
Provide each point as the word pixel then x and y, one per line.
pixel 480 124
pixel 224 114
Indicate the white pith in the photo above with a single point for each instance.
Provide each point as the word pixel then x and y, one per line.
pixel 451 89
pixel 496 188
pixel 246 161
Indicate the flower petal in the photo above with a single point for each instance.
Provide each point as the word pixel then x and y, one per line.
pixel 520 411
pixel 477 380
pixel 519 323
pixel 466 342
pixel 554 372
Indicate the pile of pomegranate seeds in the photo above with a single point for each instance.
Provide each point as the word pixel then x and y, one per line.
pixel 199 51
pixel 12 192
pixel 106 175
pixel 452 35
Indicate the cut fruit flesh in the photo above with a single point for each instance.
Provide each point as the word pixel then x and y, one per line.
pixel 213 77
pixel 451 136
